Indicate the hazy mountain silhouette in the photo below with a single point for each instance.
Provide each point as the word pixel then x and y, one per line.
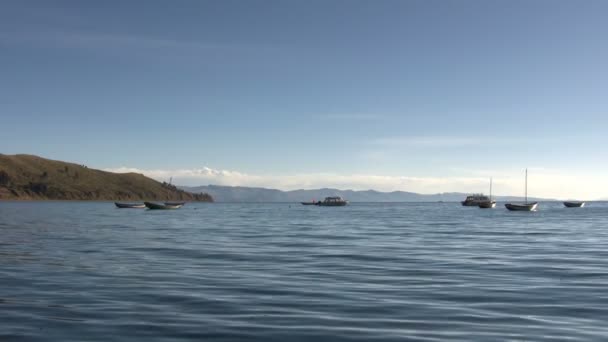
pixel 248 194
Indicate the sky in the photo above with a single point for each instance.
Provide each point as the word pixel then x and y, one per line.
pixel 426 96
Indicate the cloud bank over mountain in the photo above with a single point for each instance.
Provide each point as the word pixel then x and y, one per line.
pixel 541 183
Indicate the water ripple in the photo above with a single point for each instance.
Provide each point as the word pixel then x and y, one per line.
pixel 281 272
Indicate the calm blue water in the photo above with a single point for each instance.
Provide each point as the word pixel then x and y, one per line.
pixel 82 271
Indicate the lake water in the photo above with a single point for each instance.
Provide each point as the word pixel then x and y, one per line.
pixel 86 271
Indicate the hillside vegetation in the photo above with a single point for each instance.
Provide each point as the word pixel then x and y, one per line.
pixel 33 178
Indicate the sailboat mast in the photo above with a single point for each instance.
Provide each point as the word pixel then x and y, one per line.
pixel 526 185
pixel 490 188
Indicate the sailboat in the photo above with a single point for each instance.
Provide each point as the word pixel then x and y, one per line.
pixel 489 204
pixel 523 206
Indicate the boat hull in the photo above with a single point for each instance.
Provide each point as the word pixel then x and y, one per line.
pixel 469 204
pixel 332 204
pixel 175 203
pixel 333 201
pixel 156 206
pixel 129 205
pixel 310 203
pixel 574 204
pixel 487 205
pixel 522 206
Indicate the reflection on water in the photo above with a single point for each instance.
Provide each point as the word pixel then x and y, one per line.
pixel 276 272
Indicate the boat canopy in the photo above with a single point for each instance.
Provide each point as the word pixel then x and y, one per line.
pixel 334 198
pixel 477 197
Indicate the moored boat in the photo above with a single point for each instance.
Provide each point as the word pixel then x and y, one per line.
pixel 151 205
pixel 574 204
pixel 175 203
pixel 489 204
pixel 129 205
pixel 474 200
pixel 523 206
pixel 334 201
pixel 310 203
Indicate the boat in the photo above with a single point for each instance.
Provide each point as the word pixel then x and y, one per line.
pixel 151 205
pixel 574 204
pixel 130 205
pixel 474 200
pixel 523 206
pixel 175 203
pixel 310 203
pixel 334 201
pixel 489 204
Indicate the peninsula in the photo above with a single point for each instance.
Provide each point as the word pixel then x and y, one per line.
pixel 28 177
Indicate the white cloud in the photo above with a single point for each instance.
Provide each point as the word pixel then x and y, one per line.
pixel 541 183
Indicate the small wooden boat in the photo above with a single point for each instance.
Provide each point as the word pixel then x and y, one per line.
pixel 334 201
pixel 130 205
pixel 574 204
pixel 175 203
pixel 151 205
pixel 523 206
pixel 489 204
pixel 310 203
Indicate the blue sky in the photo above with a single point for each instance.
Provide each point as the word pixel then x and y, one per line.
pixel 443 93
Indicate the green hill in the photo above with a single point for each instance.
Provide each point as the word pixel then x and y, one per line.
pixel 34 178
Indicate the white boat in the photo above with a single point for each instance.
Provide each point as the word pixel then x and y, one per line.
pixel 489 204
pixel 523 206
pixel 574 204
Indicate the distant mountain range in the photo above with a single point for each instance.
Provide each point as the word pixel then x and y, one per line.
pixel 35 178
pixel 247 194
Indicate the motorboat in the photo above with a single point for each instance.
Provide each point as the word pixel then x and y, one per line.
pixel 474 200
